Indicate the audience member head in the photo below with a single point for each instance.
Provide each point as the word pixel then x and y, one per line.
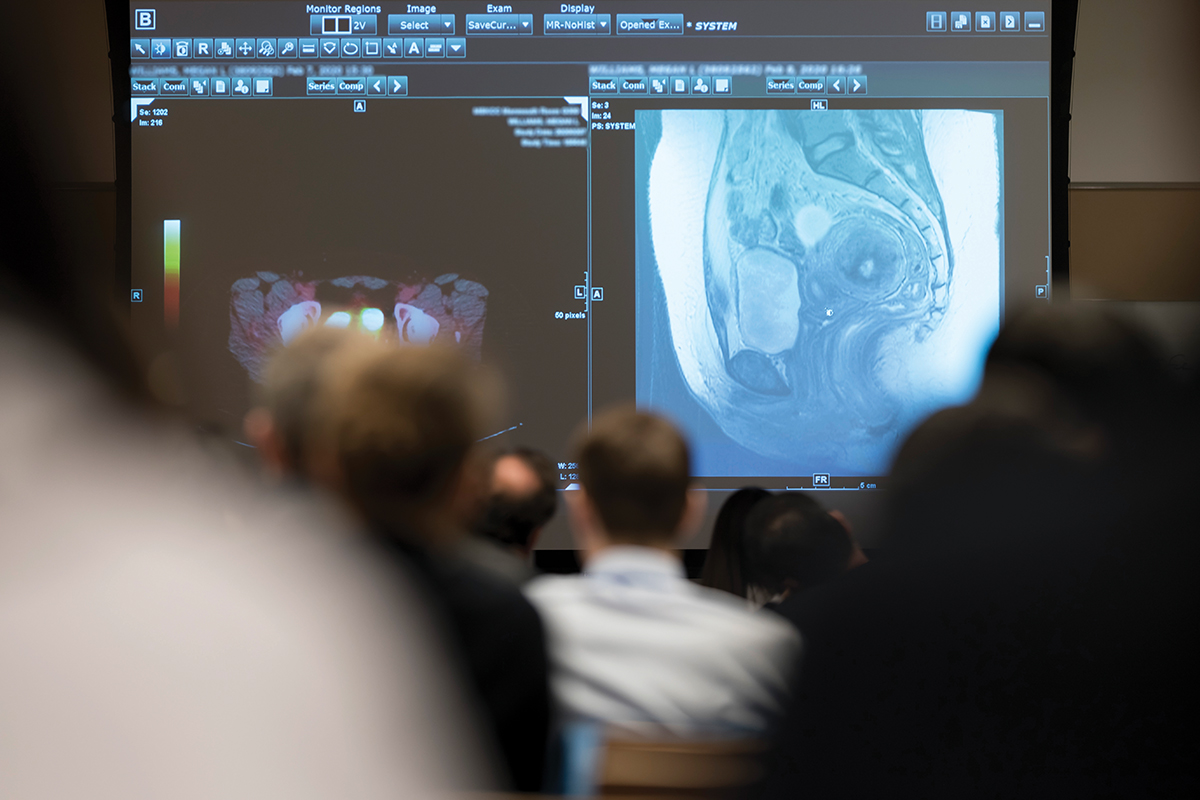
pixel 723 566
pixel 792 545
pixel 523 497
pixel 1102 364
pixel 635 473
pixel 282 424
pixel 401 428
pixel 1018 462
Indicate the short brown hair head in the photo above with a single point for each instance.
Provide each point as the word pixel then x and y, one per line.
pixel 636 469
pixel 403 421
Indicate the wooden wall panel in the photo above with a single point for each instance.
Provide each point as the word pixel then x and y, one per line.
pixel 1135 243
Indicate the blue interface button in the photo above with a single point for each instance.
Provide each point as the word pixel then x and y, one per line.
pixel 288 48
pixel 604 85
pixel 856 84
pixel 266 48
pixel 240 87
pixel 818 105
pixel 821 480
pixel 371 48
pixel 330 48
pixel 309 48
pixel 202 48
pixel 985 21
pixel 576 24
pixel 245 48
pixel 1010 22
pixel 1035 21
pixel 935 21
pixel 262 85
pixel 351 85
pixel 321 86
pixel 393 48
pixel 143 19
pixel 414 48
pixel 659 85
pixel 679 84
pixel 173 86
pixel 633 85
pixel 219 86
pixel 435 47
pixel 363 24
pixel 182 48
pixel 497 24
pixel 525 24
pixel 403 24
pixel 398 86
pixel 649 24
pixel 139 48
pixel 1041 291
pixel 960 21
pixel 160 48
pixel 456 48
pixel 135 295
pixel 143 86
pixel 198 87
pixel 377 85
pixel 360 106
pixel 722 84
pixel 328 24
pixel 810 85
pixel 835 84
pixel 701 85
pixel 351 47
pixel 223 48
pixel 781 86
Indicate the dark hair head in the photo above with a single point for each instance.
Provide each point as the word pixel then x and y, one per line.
pixel 1017 462
pixel 402 422
pixel 512 518
pixel 793 543
pixel 723 568
pixel 636 469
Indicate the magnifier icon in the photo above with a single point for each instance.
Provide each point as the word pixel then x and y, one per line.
pixel 287 48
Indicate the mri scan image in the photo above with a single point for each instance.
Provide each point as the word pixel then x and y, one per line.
pixel 813 283
pixel 270 310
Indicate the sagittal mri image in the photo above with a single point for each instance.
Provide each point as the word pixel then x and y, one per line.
pixel 813 283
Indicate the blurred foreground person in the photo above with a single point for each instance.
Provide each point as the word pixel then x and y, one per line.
pixel 793 545
pixel 723 565
pixel 634 644
pixel 167 631
pixel 1029 628
pixel 402 426
pixel 522 498
pixel 282 423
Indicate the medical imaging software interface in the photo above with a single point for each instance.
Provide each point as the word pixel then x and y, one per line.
pixel 792 227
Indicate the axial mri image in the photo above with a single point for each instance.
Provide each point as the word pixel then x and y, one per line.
pixel 811 284
pixel 270 310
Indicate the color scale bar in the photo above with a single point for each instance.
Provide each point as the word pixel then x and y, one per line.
pixel 171 272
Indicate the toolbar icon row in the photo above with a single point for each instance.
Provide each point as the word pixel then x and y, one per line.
pixel 825 84
pixel 271 48
pixel 984 21
pixel 219 86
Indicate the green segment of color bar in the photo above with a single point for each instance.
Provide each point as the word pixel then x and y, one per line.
pixel 171 247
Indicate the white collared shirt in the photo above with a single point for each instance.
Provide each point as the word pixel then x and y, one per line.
pixel 635 645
